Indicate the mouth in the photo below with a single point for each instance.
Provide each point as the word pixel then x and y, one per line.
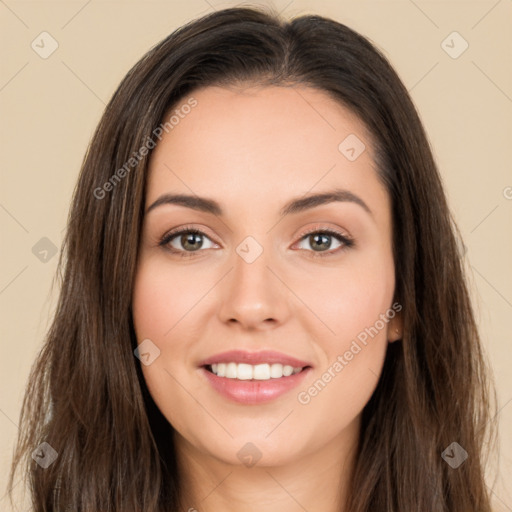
pixel 254 377
pixel 257 372
pixel 248 384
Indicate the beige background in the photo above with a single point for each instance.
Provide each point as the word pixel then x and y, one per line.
pixel 51 106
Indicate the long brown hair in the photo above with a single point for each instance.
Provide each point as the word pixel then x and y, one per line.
pixel 86 396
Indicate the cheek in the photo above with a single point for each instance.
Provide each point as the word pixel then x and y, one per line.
pixel 159 302
pixel 348 300
pixel 162 296
pixel 354 304
pixel 161 299
pixel 354 308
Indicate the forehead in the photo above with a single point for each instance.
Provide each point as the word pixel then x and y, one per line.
pixel 268 143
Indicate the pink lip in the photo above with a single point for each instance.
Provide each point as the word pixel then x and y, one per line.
pixel 263 356
pixel 251 392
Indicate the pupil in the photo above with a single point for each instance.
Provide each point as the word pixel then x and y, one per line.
pixel 191 238
pixel 324 238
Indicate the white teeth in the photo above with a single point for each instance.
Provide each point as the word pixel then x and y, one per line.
pixel 276 371
pixel 261 372
pixel 244 371
pixel 231 370
pixel 287 370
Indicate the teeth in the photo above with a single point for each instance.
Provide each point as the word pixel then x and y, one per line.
pixel 245 371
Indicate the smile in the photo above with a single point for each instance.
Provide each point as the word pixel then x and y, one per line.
pixel 251 390
pixel 244 371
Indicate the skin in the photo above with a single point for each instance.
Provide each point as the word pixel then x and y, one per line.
pixel 252 150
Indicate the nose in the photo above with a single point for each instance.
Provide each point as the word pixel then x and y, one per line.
pixel 253 295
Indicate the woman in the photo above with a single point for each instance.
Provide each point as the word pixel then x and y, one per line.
pixel 263 303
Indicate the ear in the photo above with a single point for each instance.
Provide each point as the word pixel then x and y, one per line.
pixel 395 328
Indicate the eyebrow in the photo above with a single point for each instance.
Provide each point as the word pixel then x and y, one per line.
pixel 297 205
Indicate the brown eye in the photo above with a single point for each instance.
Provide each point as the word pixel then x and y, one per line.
pixel 186 240
pixel 321 241
pixel 190 241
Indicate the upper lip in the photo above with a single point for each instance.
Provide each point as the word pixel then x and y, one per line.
pixel 253 358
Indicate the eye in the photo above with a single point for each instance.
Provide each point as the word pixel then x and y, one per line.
pixel 185 240
pixel 188 240
pixel 322 239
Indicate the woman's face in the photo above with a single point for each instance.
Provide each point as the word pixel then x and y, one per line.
pixel 256 280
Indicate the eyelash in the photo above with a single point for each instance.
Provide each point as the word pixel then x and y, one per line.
pixel 347 242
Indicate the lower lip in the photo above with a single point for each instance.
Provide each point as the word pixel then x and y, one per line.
pixel 254 391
